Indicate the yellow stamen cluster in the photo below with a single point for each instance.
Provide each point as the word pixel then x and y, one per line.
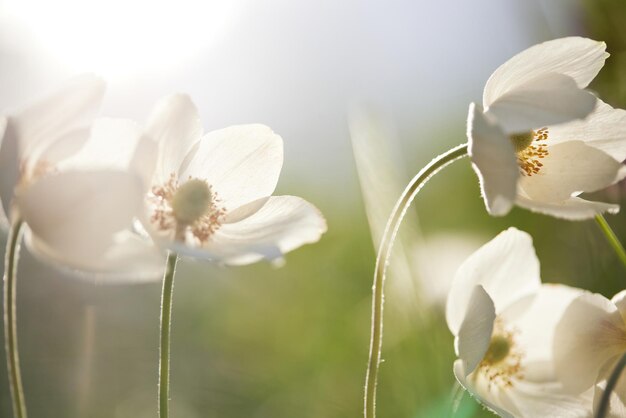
pixel 189 207
pixel 530 148
pixel 502 363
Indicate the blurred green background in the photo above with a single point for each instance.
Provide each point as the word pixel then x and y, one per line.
pixel 292 342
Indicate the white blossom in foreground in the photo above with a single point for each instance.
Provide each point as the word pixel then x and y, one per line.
pixel 64 174
pixel 211 194
pixel 503 321
pixel 540 139
pixel 589 340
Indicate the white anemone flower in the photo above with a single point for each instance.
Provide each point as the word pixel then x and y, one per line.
pixel 503 321
pixel 589 340
pixel 529 143
pixel 211 194
pixel 64 174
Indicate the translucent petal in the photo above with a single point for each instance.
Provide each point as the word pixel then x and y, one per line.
pixel 493 160
pixel 579 58
pixel 507 267
pixel 79 212
pixel 475 331
pixel 572 209
pixel 548 100
pixel 129 259
pixel 604 129
pixel 242 163
pixel 590 333
pixel 282 224
pixel 176 126
pixel 570 168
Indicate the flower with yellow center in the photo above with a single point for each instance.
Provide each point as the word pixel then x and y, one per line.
pixel 540 139
pixel 211 195
pixel 503 321
pixel 66 174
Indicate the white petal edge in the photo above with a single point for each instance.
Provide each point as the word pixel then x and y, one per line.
pixel 282 224
pixel 494 161
pixel 461 376
pixel 176 126
pixel 507 267
pixel 111 144
pixel 79 212
pixel 545 307
pixel 549 100
pixel 242 163
pixel 604 129
pixel 129 259
pixel 475 331
pixel 570 168
pixel 572 209
pixel 588 335
pixel 70 107
pixel 576 57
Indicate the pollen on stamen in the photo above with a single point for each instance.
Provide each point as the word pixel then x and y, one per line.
pixel 529 158
pixel 502 364
pixel 171 215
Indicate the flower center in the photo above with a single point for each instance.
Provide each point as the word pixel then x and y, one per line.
pixel 499 348
pixel 530 149
pixel 191 201
pixel 186 211
pixel 502 363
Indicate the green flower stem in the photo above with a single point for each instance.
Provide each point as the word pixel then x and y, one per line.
pixel 166 322
pixel 610 386
pixel 382 260
pixel 10 321
pixel 612 238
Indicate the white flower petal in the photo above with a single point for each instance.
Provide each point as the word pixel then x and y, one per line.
pixel 619 300
pixel 111 144
pixel 572 209
pixel 242 163
pixel 604 128
pixel 496 401
pixel 129 259
pixel 71 107
pixel 548 100
pixel 544 307
pixel 590 333
pixel 176 126
pixel 493 160
pixel 475 331
pixel 507 267
pixel 283 224
pixel 570 168
pixel 79 212
pixel 578 58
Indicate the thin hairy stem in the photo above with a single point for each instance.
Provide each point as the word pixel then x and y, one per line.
pixel 10 320
pixel 612 238
pixel 382 260
pixel 610 386
pixel 166 322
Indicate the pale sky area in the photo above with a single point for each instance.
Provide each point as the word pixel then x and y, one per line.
pixel 295 66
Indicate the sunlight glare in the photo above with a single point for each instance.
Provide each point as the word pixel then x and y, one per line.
pixel 121 37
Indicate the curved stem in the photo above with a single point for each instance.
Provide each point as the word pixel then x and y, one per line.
pixel 10 321
pixel 382 260
pixel 612 238
pixel 610 386
pixel 166 321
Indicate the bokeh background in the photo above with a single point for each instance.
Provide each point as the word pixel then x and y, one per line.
pixel 364 93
